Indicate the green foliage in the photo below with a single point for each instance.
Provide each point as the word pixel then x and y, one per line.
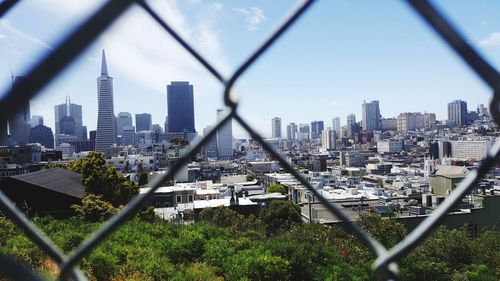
pixel 94 209
pixel 279 188
pixel 104 181
pixel 280 216
pixel 143 179
pixel 250 177
pixel 380 227
pixel 256 264
pixel 180 142
pixel 225 217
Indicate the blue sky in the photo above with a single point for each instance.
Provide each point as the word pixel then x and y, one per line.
pixel 339 54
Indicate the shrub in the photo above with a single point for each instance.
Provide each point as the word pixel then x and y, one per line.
pixel 280 216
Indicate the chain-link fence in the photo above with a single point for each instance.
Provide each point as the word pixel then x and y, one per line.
pixel 55 62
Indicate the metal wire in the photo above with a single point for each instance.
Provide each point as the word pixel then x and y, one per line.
pixel 59 58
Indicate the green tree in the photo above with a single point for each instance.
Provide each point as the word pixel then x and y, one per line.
pixel 279 188
pixel 94 209
pixel 250 177
pixel 143 179
pixel 280 216
pixel 98 179
pixel 386 230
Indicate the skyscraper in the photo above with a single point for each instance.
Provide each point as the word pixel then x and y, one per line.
pixel 224 138
pixel 291 131
pixel 106 135
pixel 336 125
pixel 143 122
pixel 276 127
pixel 43 135
pixel 72 110
pixel 328 138
pixel 317 128
pixel 371 116
pixel 19 124
pixel 123 119
pixel 180 107
pixel 457 112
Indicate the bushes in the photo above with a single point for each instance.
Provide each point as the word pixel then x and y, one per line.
pixel 280 216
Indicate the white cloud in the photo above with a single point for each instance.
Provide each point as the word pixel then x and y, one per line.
pixel 493 40
pixel 254 16
pixel 2 36
pixel 8 26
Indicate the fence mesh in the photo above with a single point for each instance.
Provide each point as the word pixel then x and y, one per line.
pixel 55 62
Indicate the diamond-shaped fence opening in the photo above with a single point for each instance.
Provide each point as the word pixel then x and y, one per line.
pixel 55 62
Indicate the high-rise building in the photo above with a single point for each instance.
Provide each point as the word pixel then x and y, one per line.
pixel 336 125
pixel 67 126
pixel 180 107
pixel 371 116
pixel 317 128
pixel 304 131
pixel 351 120
pixel 72 110
pixel 328 139
pixel 276 127
pixel 410 121
pixel 291 131
pixel 210 148
pixel 19 123
pixel 123 119
pixel 106 135
pixel 36 120
pixel 128 135
pixel 457 112
pixel 43 135
pixel 224 138
pixel 143 122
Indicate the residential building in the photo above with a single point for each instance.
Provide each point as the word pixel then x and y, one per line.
pixel 389 146
pixel 457 112
pixel 388 124
pixel 106 134
pixel 469 149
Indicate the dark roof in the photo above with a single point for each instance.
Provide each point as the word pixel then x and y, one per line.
pixel 55 179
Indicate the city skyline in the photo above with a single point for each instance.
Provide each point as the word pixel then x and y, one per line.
pixel 435 78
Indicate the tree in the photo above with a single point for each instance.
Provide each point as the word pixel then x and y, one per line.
pixel 178 141
pixel 279 188
pixel 98 179
pixel 280 216
pixel 386 230
pixel 94 209
pixel 250 177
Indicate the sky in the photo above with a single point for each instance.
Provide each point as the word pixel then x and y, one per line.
pixel 337 55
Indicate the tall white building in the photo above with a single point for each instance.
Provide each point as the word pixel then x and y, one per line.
pixel 328 137
pixel 336 125
pixel 224 138
pixel 291 131
pixel 106 134
pixel 276 127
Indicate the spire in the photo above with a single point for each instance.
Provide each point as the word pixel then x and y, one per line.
pixel 104 68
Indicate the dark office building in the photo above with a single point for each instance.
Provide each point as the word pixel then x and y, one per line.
pixel 92 135
pixel 434 150
pixel 180 107
pixel 143 122
pixel 317 128
pixel 67 126
pixel 20 123
pixel 457 112
pixel 43 135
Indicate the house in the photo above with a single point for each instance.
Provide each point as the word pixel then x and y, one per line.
pixel 50 191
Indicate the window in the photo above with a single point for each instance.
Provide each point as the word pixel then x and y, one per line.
pixel 190 198
pixel 178 199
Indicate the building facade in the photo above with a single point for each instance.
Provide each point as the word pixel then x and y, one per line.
pixel 123 119
pixel 180 107
pixel 371 116
pixel 224 138
pixel 457 112
pixel 276 127
pixel 143 122
pixel 106 134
